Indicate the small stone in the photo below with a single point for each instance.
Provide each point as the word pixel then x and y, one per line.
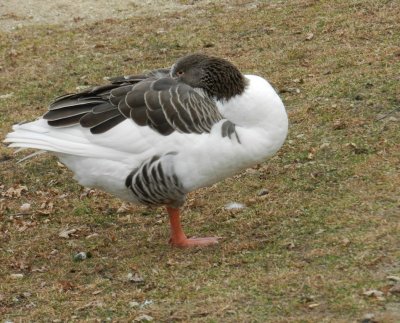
pixel 134 304
pixel 135 278
pixel 234 206
pixel 6 96
pixel 373 292
pixel 325 145
pixel 368 318
pixel 144 318
pixel 25 207
pixel 395 289
pixel 82 256
pixel 146 303
pixel 262 192
pixel 17 276
pixel 66 233
pixel 339 125
pixel 377 294
pixel 309 36
pixel 346 242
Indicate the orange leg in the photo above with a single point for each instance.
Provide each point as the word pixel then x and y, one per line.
pixel 178 237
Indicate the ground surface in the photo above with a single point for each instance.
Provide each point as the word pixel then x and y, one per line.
pixel 319 238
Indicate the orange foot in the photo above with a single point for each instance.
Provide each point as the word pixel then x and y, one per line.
pixel 193 242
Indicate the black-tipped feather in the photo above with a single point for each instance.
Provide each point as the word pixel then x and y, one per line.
pixel 67 112
pixel 66 121
pixel 156 100
pixel 92 120
pixel 107 125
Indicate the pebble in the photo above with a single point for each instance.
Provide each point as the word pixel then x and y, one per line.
pixel 395 289
pixel 17 276
pixel 135 278
pixel 144 318
pixel 134 304
pixel 368 318
pixel 82 256
pixel 25 207
pixel 393 278
pixel 234 206
pixel 262 192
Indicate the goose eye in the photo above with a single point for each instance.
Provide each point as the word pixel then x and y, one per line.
pixel 180 73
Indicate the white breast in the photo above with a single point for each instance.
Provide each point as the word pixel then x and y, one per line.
pixel 261 124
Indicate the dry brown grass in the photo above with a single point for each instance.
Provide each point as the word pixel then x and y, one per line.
pixel 306 252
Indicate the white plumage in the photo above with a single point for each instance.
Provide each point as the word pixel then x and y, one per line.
pixel 105 160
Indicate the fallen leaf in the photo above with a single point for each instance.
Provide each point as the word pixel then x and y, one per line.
pixel 15 192
pixel 135 278
pixel 125 207
pixel 82 256
pixel 143 318
pixel 346 242
pixel 234 206
pixel 66 233
pixel 91 304
pixel 65 285
pixel 375 293
pixel 17 276
pixel 338 125
pixel 25 207
pixel 6 96
pixel 309 36
pixel 395 289
pixel 134 304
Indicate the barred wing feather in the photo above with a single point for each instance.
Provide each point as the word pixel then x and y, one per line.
pixel 154 100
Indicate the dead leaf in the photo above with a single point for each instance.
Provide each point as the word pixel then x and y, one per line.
pixel 25 207
pixel 309 36
pixel 339 125
pixel 346 242
pixel 15 192
pixel 6 96
pixel 65 285
pixel 375 293
pixel 135 278
pixel 395 289
pixel 143 318
pixel 66 233
pixel 125 207
pixel 91 304
pixel 17 276
pixel 46 208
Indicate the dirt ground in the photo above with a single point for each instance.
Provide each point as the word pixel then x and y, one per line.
pixel 15 14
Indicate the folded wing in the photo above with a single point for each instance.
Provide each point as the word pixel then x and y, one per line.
pixel 153 100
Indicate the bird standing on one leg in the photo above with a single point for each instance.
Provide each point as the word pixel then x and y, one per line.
pixel 153 138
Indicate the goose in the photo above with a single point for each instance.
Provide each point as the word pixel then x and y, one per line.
pixel 152 138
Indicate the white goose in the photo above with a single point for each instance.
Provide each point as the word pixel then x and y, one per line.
pixel 153 138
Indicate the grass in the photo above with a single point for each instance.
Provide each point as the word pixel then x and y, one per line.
pixel 327 231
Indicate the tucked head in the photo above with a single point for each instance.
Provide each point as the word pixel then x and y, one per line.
pixel 216 76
